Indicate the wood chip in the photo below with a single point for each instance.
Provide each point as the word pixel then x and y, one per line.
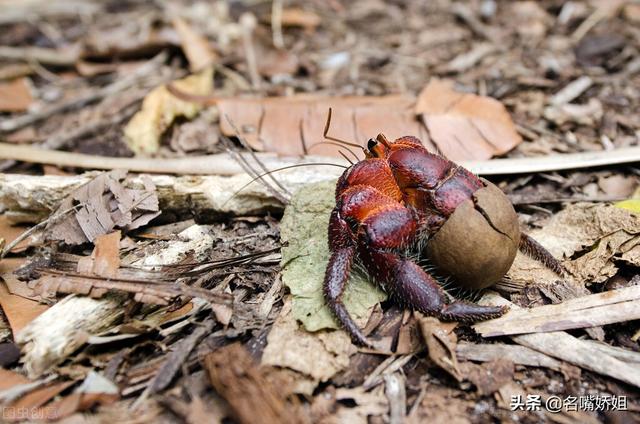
pixel 245 387
pixel 15 96
pixel 571 91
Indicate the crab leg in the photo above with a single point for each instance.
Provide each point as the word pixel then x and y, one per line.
pixel 535 250
pixel 383 237
pixel 337 275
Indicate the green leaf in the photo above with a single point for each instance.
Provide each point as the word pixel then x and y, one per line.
pixel 303 230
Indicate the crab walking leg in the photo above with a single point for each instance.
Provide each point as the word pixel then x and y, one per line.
pixel 535 250
pixel 383 237
pixel 335 281
pixel 338 269
pixel 411 285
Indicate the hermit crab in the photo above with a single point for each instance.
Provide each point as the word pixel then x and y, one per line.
pixel 402 204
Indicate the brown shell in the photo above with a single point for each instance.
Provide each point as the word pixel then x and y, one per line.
pixel 478 243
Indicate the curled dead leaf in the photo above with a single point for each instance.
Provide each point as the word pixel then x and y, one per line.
pixel 441 343
pixel 160 108
pixel 100 206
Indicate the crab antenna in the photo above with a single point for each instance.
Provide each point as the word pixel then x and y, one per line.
pixel 326 135
pixel 297 165
pixel 345 157
pixel 335 144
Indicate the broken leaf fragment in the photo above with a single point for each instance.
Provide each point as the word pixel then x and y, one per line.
pixel 160 108
pixel 593 236
pixel 314 357
pixel 100 206
pixel 304 260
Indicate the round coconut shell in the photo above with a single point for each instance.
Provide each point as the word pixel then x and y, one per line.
pixel 478 243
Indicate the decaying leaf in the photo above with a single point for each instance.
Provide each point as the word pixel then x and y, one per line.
pixel 594 235
pixel 160 108
pixel 101 205
pixel 490 376
pixel 294 125
pixel 465 126
pixel 305 254
pixel 318 356
pixel 350 405
pixel 441 343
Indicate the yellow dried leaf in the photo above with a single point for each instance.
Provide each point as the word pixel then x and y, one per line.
pixel 160 108
pixel 632 205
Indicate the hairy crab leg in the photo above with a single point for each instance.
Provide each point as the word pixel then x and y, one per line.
pixel 335 281
pixel 410 285
pixel 535 250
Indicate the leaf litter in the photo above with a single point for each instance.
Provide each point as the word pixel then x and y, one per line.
pixel 522 56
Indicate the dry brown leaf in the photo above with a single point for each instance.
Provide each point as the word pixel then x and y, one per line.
pixel 160 108
pixel 465 126
pixel 15 96
pixel 18 310
pixel 106 255
pixel 195 46
pixel 441 343
pixel 9 379
pixel 293 125
pixel 596 234
pixel 441 405
pixel 490 376
pixel 317 355
pixel 104 204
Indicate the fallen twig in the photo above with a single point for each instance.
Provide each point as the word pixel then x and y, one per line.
pixel 30 199
pixel 222 164
pixel 582 312
pixel 564 346
pixel 517 354
pixel 245 387
pixel 9 125
pixel 41 55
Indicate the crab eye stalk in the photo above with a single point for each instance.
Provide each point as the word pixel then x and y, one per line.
pixel 371 144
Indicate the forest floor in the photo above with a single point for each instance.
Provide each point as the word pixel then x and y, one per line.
pixel 177 292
